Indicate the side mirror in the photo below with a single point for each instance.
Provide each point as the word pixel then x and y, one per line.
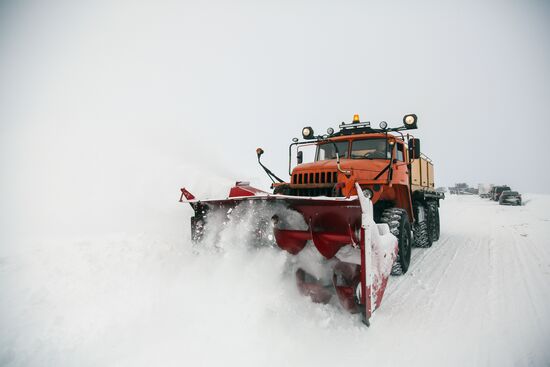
pixel 414 148
pixel 300 157
pixel 259 152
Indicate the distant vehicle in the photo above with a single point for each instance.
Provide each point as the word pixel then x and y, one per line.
pixel 484 190
pixel 497 190
pixel 471 191
pixel 462 189
pixel 509 197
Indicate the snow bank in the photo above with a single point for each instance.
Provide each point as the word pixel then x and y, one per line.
pixel 140 300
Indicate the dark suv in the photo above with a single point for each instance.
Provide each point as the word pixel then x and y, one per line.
pixel 510 198
pixel 497 190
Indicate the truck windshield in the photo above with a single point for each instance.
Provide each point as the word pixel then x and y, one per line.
pixel 370 149
pixel 326 151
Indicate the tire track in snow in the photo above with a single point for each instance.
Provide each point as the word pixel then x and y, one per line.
pixel 400 287
pixel 454 277
pixel 525 252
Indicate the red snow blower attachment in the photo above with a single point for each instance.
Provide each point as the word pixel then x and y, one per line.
pixel 339 233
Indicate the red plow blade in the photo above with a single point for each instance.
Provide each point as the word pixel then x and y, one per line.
pixel 342 230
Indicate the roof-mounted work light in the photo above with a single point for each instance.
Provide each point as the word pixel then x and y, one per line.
pixel 307 132
pixel 410 121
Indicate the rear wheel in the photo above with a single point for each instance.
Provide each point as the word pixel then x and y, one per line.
pixel 398 221
pixel 433 220
pixel 422 234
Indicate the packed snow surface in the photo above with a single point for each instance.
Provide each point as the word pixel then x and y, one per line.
pixel 479 296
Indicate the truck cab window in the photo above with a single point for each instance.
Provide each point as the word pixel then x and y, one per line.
pixel 326 151
pixel 370 149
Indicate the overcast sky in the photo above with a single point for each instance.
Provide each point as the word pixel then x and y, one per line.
pixel 107 108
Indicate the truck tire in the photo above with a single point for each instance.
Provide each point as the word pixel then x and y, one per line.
pixel 433 220
pixel 398 221
pixel 422 236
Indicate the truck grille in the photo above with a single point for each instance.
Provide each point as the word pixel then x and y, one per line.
pixel 312 178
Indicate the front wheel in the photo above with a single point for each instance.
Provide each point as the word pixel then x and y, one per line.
pixel 398 221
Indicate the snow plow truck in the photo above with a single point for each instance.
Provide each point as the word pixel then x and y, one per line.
pixel 350 216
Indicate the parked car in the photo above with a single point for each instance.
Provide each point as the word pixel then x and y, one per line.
pixel 509 197
pixel 497 190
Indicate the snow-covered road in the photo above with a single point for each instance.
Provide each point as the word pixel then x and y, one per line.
pixel 479 296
